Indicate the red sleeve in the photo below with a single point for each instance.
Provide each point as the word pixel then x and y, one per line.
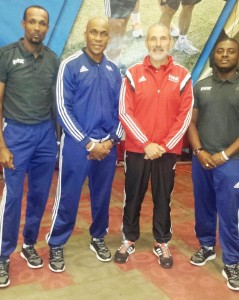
pixel 126 112
pixel 184 115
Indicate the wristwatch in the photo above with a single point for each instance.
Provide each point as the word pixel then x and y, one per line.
pixel 197 151
pixel 114 142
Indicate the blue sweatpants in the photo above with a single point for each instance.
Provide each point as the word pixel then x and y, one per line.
pixel 34 152
pixel 216 192
pixel 73 170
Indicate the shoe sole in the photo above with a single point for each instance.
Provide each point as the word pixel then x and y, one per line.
pixel 56 271
pixel 5 285
pixel 165 267
pixel 203 263
pixel 29 265
pixel 224 274
pixel 98 257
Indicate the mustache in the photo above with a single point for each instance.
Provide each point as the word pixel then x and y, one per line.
pixel 158 48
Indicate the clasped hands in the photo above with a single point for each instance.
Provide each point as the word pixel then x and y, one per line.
pixel 209 161
pixel 100 150
pixel 153 151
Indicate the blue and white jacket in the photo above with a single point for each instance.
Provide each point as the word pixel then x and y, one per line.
pixel 87 98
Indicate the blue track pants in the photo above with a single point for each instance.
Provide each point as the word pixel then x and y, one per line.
pixel 34 152
pixel 216 193
pixel 73 170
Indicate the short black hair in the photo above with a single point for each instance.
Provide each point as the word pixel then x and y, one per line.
pixel 226 38
pixel 35 6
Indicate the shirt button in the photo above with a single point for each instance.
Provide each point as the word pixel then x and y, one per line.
pixel 158 91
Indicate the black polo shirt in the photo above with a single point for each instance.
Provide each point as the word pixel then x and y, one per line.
pixel 30 82
pixel 217 102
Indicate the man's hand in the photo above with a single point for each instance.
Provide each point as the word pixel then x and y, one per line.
pixel 99 152
pixel 153 151
pixel 6 158
pixel 206 160
pixel 218 159
pixel 107 144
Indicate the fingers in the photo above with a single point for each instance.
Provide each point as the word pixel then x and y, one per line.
pixel 9 165
pixel 209 165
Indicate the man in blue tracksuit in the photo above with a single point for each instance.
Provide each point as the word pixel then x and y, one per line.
pixel 28 72
pixel 214 136
pixel 87 97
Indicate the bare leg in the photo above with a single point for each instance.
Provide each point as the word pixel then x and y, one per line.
pixel 183 44
pixel 185 18
pixel 136 23
pixel 117 32
pixel 167 15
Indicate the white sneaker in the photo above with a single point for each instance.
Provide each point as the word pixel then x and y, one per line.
pixel 137 30
pixel 174 31
pixel 184 45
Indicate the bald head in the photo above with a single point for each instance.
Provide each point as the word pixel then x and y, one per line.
pixel 97 21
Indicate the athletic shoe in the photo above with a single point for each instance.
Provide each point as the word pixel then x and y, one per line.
pixel 231 273
pixel 34 261
pixel 202 256
pixel 184 45
pixel 123 253
pixel 174 31
pixel 137 31
pixel 56 260
pixel 164 256
pixel 102 252
pixel 4 273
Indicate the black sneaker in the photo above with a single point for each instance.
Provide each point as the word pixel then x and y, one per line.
pixel 164 256
pixel 202 256
pixel 56 260
pixel 231 273
pixel 123 253
pixel 4 273
pixel 34 261
pixel 102 252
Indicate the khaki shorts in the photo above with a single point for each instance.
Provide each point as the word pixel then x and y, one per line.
pixel 174 4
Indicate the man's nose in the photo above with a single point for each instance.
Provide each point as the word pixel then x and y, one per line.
pixel 158 42
pixel 225 53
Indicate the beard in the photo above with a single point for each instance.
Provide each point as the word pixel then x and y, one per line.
pixel 158 56
pixel 35 42
pixel 225 69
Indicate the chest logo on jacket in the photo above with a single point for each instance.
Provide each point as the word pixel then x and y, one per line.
pixel 142 78
pixel 173 78
pixel 109 68
pixel 83 69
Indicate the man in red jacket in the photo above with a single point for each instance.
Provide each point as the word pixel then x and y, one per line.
pixel 155 111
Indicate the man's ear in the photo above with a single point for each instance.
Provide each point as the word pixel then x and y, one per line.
pixel 23 24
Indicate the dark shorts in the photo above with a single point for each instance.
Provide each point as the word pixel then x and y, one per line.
pixel 174 4
pixel 119 9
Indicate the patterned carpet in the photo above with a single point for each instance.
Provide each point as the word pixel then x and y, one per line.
pixel 141 278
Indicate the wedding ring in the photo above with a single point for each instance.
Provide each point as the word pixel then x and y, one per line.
pixel 207 165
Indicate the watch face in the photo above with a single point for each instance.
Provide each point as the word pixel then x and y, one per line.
pixel 196 151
